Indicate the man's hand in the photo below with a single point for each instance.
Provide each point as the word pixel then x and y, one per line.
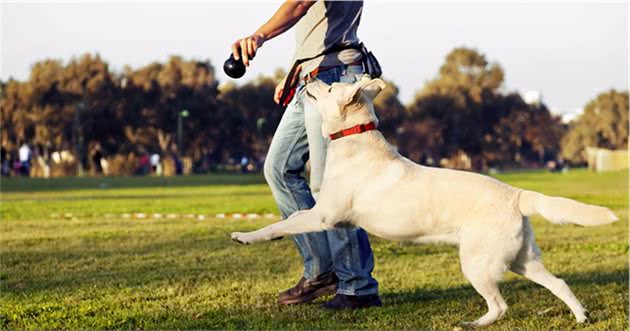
pixel 289 13
pixel 279 89
pixel 246 48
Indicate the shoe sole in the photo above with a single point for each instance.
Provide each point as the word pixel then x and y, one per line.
pixel 328 290
pixel 351 308
pixel 361 306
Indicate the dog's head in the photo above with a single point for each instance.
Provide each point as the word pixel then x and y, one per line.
pixel 343 105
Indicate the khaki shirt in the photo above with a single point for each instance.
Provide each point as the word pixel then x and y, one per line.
pixel 328 23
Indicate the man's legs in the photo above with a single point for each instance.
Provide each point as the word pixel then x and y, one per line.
pixel 285 161
pixel 350 248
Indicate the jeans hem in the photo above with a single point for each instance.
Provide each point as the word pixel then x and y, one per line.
pixel 357 293
pixel 309 275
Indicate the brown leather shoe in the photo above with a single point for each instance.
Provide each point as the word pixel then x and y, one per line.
pixel 309 289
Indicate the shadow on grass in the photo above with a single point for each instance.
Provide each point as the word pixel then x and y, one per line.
pixel 619 277
pixel 397 308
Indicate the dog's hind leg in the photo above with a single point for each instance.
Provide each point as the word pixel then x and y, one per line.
pixel 299 222
pixel 535 271
pixel 481 271
pixel 528 264
pixel 485 254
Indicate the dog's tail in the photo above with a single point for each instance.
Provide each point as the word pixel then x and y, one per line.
pixel 564 211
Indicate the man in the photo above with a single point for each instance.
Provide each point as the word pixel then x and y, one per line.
pixel 337 261
pixel 24 154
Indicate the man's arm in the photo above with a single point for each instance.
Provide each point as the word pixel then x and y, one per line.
pixel 289 13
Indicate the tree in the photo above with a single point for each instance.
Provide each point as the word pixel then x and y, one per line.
pixel 43 109
pixel 77 105
pixel 604 124
pixel 156 94
pixel 463 110
pixel 390 111
pixel 454 101
pixel 465 74
pixel 520 132
pixel 252 115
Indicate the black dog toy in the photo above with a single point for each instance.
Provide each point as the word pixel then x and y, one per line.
pixel 234 68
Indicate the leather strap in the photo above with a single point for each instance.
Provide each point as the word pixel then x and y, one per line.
pixel 353 130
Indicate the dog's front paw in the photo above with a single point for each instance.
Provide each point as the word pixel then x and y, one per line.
pixel 240 237
pixel 583 318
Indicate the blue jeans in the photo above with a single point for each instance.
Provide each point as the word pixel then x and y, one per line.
pixel 298 137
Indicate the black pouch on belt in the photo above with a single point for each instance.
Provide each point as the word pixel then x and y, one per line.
pixel 370 65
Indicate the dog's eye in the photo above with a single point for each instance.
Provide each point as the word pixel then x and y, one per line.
pixel 329 89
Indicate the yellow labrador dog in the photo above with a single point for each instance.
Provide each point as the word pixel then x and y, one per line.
pixel 369 185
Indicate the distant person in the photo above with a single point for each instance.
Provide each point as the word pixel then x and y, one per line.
pixel 143 164
pixel 5 162
pixel 244 162
pixel 15 165
pixel 25 156
pixel 156 168
pixel 338 261
pixel 551 166
pixel 204 164
pixel 97 156
pixel 179 165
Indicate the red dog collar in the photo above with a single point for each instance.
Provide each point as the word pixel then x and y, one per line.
pixel 353 130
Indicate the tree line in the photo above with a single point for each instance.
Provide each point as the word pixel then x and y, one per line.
pixel 461 118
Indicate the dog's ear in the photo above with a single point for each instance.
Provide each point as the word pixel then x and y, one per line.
pixel 317 89
pixel 370 87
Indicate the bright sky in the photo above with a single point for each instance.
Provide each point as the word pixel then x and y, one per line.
pixel 569 51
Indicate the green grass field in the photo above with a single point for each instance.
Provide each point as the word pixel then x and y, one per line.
pixel 89 271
